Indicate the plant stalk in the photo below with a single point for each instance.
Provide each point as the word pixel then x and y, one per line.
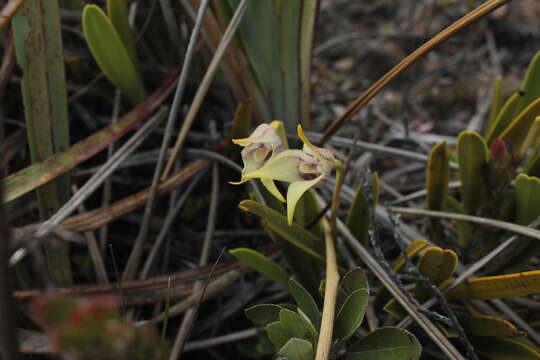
pixel 324 344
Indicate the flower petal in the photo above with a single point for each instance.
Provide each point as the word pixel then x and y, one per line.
pixel 279 127
pixel 270 185
pixel 282 167
pixel 325 157
pixel 306 141
pixel 295 192
pixel 263 134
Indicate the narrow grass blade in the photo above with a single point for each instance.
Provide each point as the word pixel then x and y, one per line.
pixel 42 172
pixel 40 55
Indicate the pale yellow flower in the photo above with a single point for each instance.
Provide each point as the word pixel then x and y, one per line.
pixel 303 169
pixel 259 147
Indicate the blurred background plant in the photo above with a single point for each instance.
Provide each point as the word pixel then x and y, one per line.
pixel 148 223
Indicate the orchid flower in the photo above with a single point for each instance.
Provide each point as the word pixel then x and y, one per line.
pixel 303 169
pixel 263 144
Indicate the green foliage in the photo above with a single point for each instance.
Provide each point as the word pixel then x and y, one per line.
pixel 503 348
pixel 351 314
pixel 262 264
pixel 358 217
pixel 119 15
pixel 435 264
pixel 297 349
pixel 43 87
pixel 527 189
pixel 276 39
pixel 294 234
pixel 386 343
pixel 472 157
pixel 305 301
pixel 438 176
pixel 293 330
pixel 531 84
pixel 486 175
pixel 438 266
pixel 488 326
pixel 111 53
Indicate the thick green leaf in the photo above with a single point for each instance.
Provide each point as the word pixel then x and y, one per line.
pixel 119 15
pixel 278 334
pixel 110 53
pixel 296 235
pixel 297 349
pixel 438 176
pixel 488 326
pixel 531 84
pixel 496 103
pixel 527 190
pixel 358 217
pixel 498 287
pixel 386 343
pixel 437 264
pixel 302 265
pixel 262 264
pixel 308 324
pixel 413 248
pixel 503 348
pixel 290 325
pixel 518 130
pixel 504 118
pixel 527 208
pixel 354 279
pixel 305 302
pixel 263 314
pixel 351 314
pixel 472 155
pixel 531 139
pixel 295 325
